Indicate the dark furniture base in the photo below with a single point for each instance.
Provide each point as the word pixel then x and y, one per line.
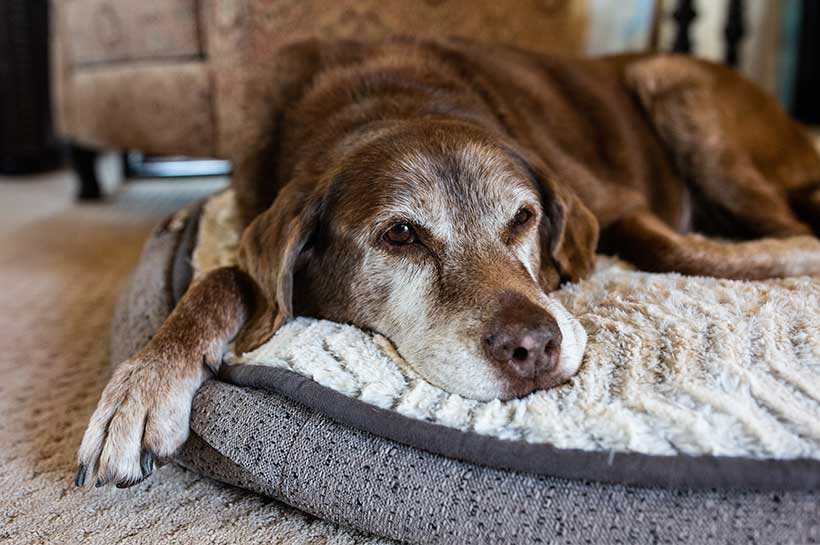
pixel 84 162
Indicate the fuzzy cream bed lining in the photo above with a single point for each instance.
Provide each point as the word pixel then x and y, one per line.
pixel 672 365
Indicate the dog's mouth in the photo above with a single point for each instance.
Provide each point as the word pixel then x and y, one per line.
pixel 565 360
pixel 545 356
pixel 549 376
pixel 573 343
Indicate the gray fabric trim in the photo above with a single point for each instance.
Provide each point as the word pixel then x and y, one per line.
pixel 358 479
pixel 161 277
pixel 182 272
pixel 632 468
pixel 147 299
pixel 278 447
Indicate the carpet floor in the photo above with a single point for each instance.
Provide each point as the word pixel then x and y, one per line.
pixel 61 267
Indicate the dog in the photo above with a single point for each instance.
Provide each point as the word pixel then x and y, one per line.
pixel 435 191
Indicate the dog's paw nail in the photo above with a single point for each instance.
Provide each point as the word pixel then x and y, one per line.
pixel 128 484
pixel 100 483
pixel 147 463
pixel 79 480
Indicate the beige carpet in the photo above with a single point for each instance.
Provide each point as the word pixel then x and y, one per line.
pixel 61 266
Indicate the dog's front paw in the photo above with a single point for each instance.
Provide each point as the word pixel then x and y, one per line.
pixel 142 416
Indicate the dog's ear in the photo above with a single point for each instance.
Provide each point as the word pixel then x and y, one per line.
pixel 269 250
pixel 569 230
pixel 255 130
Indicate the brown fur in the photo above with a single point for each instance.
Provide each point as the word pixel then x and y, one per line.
pixel 637 150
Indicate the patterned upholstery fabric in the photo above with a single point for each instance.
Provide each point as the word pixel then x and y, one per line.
pixel 168 76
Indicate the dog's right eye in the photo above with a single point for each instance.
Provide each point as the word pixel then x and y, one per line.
pixel 521 217
pixel 400 234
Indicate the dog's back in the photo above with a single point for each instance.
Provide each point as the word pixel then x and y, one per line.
pixel 584 117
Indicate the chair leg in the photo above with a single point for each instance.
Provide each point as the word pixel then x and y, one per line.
pixel 83 161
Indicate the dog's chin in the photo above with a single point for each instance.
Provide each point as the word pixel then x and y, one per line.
pixel 497 386
pixel 520 388
pixel 461 370
pixel 480 380
pixel 472 379
pixel 506 388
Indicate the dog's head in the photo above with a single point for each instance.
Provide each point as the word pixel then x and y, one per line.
pixel 441 237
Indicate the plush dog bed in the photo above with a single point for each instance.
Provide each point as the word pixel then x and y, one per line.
pixel 694 418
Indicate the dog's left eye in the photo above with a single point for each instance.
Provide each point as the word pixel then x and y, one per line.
pixel 400 234
pixel 521 217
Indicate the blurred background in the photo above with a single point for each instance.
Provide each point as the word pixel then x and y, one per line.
pixel 153 84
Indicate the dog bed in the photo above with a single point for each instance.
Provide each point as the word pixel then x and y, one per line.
pixel 694 417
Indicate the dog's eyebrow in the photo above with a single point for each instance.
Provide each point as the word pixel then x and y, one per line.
pixel 438 191
pixel 482 161
pixel 485 165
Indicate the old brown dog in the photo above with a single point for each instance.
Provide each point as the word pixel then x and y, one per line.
pixel 434 191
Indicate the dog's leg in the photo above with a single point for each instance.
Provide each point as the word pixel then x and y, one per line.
pixel 644 240
pixel 678 95
pixel 144 410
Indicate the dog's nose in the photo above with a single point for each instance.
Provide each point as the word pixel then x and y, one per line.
pixel 523 341
pixel 525 351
